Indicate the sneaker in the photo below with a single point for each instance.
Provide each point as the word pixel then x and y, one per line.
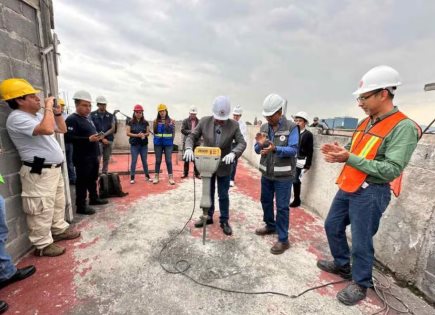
pixel 199 223
pixel 51 250
pixel 131 181
pixel 68 234
pixel 171 180
pixel 352 294
pixel 329 266
pixel 231 183
pixel 98 201
pixel 279 248
pixel 156 179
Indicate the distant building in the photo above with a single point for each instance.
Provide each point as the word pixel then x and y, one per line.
pixel 341 122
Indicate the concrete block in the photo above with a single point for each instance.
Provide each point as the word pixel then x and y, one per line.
pixel 21 26
pixel 18 247
pixel 13 5
pixel 14 208
pixel 13 228
pixel 4 189
pixel 31 73
pixel 13 47
pixel 33 55
pixel 28 11
pixel 14 184
pixel 6 142
pixel 5 69
pixel 2 23
pixel 10 164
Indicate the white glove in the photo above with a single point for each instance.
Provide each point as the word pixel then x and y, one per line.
pixel 188 155
pixel 229 158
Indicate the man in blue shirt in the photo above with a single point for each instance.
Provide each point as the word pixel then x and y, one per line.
pixel 104 122
pixel 277 142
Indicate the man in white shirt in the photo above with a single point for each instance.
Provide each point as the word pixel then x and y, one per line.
pixel 237 114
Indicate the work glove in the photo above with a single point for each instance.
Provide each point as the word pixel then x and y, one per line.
pixel 188 155
pixel 229 158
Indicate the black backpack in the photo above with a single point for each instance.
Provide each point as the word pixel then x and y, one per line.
pixel 110 186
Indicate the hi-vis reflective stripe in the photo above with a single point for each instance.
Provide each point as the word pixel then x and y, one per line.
pixel 369 145
pixel 355 137
pixel 164 135
pixel 262 167
pixel 282 168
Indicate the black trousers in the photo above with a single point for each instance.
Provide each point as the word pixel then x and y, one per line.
pixel 86 181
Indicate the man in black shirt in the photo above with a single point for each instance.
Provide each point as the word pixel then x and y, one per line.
pixel 84 137
pixel 305 155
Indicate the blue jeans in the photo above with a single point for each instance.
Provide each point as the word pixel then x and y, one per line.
pixel 363 210
pixel 69 162
pixel 224 199
pixel 281 191
pixel 136 150
pixel 158 150
pixel 7 267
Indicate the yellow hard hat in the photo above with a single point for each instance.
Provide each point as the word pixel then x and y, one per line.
pixel 161 107
pixel 61 102
pixel 15 87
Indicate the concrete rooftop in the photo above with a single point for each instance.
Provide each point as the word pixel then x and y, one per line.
pixel 114 267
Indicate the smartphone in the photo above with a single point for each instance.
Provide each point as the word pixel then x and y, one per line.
pixel 55 104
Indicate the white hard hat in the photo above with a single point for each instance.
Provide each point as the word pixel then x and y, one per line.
pixel 237 110
pixel 193 110
pixel 101 100
pixel 221 108
pixel 273 103
pixel 380 77
pixel 302 115
pixel 82 95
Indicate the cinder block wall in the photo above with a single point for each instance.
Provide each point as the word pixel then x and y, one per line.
pixel 405 242
pixel 19 57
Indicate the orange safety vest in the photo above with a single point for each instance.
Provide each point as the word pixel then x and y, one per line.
pixel 366 144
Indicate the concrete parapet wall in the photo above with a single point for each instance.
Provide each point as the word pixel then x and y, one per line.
pixel 405 242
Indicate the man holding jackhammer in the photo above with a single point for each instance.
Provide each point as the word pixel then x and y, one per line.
pixel 218 131
pixel 380 149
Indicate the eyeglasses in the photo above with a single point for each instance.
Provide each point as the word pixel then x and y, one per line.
pixel 365 98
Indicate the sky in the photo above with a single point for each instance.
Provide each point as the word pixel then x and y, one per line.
pixel 187 52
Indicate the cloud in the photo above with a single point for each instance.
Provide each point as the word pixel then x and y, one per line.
pixel 188 52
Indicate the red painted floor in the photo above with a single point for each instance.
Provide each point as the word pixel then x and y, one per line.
pixel 51 289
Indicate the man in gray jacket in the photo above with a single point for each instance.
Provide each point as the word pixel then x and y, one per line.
pixel 218 131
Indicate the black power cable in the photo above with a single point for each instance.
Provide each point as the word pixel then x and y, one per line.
pixel 182 266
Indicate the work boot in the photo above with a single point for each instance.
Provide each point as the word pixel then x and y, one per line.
pixel 98 201
pixel 156 179
pixel 171 180
pixel 226 228
pixel 199 224
pixel 51 250
pixel 68 234
pixel 352 294
pixel 329 266
pixel 295 203
pixel 86 211
pixel 279 248
pixel 264 230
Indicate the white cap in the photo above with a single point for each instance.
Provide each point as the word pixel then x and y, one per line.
pixel 193 110
pixel 302 115
pixel 380 77
pixel 237 110
pixel 82 95
pixel 273 103
pixel 221 108
pixel 101 100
